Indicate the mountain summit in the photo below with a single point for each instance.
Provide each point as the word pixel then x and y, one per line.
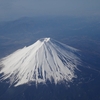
pixel 46 59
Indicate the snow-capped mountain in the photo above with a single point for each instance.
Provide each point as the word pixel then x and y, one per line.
pixel 46 59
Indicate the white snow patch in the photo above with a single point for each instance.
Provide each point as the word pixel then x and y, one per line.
pixel 42 61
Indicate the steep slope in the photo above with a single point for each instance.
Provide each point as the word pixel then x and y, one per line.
pixel 46 59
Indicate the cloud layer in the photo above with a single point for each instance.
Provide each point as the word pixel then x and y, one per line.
pixel 13 9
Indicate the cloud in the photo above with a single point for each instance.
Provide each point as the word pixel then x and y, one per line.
pixel 13 9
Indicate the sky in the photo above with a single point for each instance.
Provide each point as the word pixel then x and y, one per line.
pixel 14 9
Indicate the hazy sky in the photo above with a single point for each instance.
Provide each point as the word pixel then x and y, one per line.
pixel 13 9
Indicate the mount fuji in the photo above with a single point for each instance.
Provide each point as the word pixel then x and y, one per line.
pixel 46 59
pixel 49 70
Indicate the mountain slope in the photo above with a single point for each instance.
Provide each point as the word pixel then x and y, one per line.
pixel 46 59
